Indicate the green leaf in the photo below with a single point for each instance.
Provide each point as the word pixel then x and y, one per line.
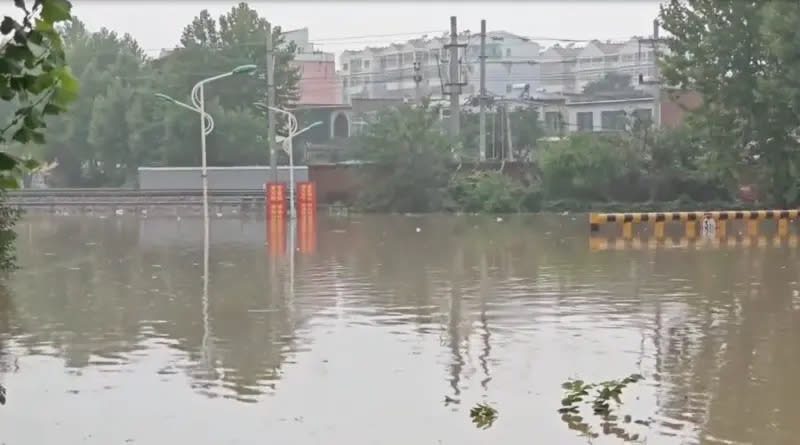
pixel 7 25
pixel 38 138
pixel 55 10
pixel 17 52
pixel 22 136
pixel 68 87
pixel 8 182
pixel 32 121
pixel 30 164
pixel 7 162
pixel 6 93
pixel 8 66
pixel 35 37
pixel 51 109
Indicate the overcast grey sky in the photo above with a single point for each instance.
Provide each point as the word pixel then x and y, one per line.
pixel 332 24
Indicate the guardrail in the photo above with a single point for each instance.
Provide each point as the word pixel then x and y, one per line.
pixel 719 220
pixel 70 197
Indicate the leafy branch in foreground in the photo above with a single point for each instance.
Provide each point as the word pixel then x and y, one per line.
pixel 34 77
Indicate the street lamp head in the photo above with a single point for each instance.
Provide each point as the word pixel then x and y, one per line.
pixel 244 69
pixel 164 97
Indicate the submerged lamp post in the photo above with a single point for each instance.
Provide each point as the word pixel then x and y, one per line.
pixel 206 127
pixel 198 106
pixel 286 145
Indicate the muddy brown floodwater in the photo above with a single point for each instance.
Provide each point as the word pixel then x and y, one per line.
pixel 385 334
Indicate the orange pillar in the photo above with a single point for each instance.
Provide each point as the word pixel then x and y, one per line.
pixel 306 198
pixel 276 201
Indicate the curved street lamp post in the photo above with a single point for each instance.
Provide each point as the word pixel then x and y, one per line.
pixel 206 127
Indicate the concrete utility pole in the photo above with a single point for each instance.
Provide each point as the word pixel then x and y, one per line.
pixel 273 156
pixel 657 72
pixel 454 81
pixel 510 153
pixel 482 98
pixel 656 81
pixel 417 81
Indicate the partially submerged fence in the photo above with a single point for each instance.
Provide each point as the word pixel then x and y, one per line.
pixel 715 221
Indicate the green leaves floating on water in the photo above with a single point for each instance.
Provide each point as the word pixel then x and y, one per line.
pixel 483 415
pixel 606 397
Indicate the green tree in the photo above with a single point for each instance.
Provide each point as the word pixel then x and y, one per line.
pixel 741 57
pixel 410 157
pixel 612 82
pixel 590 167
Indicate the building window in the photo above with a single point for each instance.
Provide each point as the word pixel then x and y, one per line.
pixel 552 121
pixel 344 67
pixel 508 52
pixel 390 61
pixel 612 59
pixel 612 120
pixel 508 87
pixel 345 83
pixel 642 117
pixel 597 60
pixel 366 64
pixel 585 121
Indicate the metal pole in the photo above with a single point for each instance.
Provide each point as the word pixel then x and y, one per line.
pixel 292 212
pixel 455 86
pixel 204 167
pixel 273 156
pixel 482 99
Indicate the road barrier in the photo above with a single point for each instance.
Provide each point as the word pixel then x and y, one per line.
pixel 718 219
pixel 636 243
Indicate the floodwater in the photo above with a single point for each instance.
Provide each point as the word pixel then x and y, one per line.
pixel 387 330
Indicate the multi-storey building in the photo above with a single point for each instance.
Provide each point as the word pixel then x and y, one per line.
pixel 569 69
pixel 388 72
pixel 319 82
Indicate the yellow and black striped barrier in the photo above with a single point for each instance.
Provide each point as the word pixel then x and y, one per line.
pixel 720 219
pixel 601 243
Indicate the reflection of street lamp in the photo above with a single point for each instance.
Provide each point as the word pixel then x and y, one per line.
pixel 286 144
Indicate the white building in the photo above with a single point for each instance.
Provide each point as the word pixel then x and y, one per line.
pixel 388 72
pixel 568 69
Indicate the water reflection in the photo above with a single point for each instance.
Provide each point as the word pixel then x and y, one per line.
pixel 375 324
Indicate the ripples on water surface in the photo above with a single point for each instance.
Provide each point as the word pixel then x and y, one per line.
pixel 105 337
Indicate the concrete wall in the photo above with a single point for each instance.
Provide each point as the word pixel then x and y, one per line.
pixel 219 178
pixel 597 108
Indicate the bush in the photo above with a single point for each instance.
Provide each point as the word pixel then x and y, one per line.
pixel 492 192
pixel 592 168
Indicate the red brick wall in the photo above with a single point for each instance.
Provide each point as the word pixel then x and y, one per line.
pixel 341 182
pixel 673 104
pixel 319 83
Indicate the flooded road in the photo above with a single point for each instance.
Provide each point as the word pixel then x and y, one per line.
pixel 388 331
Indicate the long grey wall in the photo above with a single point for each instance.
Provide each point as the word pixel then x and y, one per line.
pixel 219 178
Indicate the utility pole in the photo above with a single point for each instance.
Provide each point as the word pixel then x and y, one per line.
pixel 417 81
pixel 657 72
pixel 273 157
pixel 482 98
pixel 510 153
pixel 454 83
pixel 656 81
